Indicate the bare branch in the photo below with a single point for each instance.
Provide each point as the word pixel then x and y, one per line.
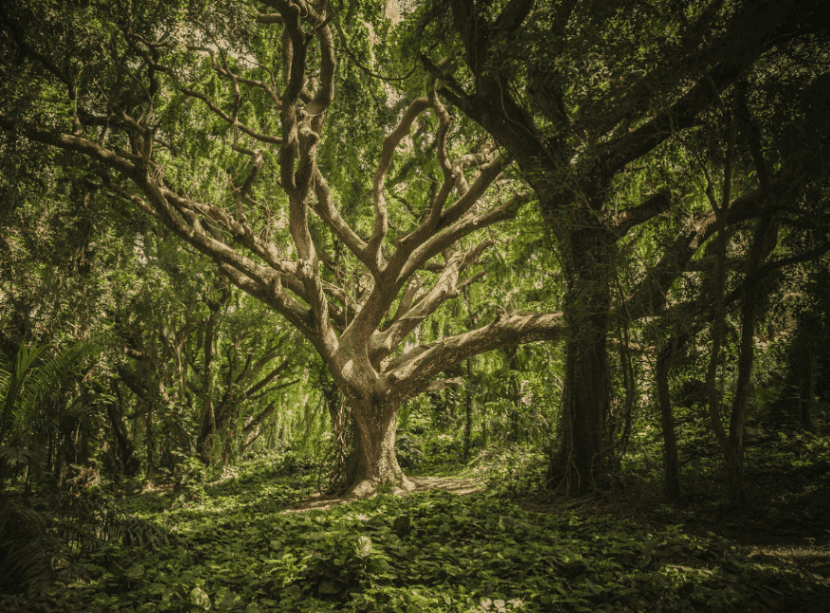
pixel 422 364
pixel 390 143
pixel 445 288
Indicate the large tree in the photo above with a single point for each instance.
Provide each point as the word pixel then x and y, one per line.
pixel 592 96
pixel 212 119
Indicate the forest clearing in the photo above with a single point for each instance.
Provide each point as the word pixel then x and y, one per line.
pixel 414 305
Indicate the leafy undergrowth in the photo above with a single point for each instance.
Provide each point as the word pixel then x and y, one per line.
pixel 785 522
pixel 230 548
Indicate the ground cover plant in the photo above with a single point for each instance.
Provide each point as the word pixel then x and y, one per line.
pixel 245 543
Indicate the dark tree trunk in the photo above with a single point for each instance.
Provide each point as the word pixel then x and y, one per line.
pixel 514 421
pixel 670 463
pixel 808 393
pixel 764 240
pixel 580 463
pixel 150 443
pixel 630 386
pixel 129 464
pixel 207 426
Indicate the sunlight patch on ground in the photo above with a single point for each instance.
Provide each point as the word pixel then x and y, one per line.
pixel 321 502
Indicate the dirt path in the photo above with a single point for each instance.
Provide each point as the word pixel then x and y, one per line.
pixel 321 502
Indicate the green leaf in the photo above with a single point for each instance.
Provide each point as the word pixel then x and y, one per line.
pixel 200 598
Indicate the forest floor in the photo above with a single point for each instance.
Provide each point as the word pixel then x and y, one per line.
pixel 784 522
pixel 783 528
pixel 470 539
pixel 320 501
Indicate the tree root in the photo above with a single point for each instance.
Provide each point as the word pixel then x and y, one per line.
pixel 367 488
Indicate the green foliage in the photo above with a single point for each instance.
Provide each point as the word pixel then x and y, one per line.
pixel 40 407
pixel 25 549
pixel 234 551
pixel 513 472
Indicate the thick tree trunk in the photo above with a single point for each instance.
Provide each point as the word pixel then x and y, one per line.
pixel 340 423
pixel 372 461
pixel 580 463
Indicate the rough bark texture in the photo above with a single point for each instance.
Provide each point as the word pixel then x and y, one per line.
pixel 372 462
pixel 582 456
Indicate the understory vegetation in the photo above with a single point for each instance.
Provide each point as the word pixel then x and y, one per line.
pixel 246 542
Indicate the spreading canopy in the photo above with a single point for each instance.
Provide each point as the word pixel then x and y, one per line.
pixel 212 120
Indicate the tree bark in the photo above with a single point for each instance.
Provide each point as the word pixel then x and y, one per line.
pixel 630 386
pixel 468 409
pixel 670 463
pixel 580 462
pixel 207 425
pixel 126 449
pixel 514 421
pixel 764 240
pixel 372 462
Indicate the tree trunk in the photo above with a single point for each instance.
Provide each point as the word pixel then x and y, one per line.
pixel 764 240
pixel 468 410
pixel 372 461
pixel 808 402
pixel 207 425
pixel 670 463
pixel 149 443
pixel 630 385
pixel 340 421
pixel 580 463
pixel 129 463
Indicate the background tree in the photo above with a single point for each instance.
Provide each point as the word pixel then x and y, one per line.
pixel 583 95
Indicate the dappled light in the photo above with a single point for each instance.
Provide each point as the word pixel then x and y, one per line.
pixel 455 306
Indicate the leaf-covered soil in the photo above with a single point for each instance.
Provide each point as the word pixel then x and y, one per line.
pixel 456 485
pixel 452 546
pixel 785 522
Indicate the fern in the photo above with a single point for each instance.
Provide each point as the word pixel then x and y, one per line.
pixel 25 549
pixel 34 406
pixel 12 384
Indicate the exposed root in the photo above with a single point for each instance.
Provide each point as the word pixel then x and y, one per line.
pixel 368 488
